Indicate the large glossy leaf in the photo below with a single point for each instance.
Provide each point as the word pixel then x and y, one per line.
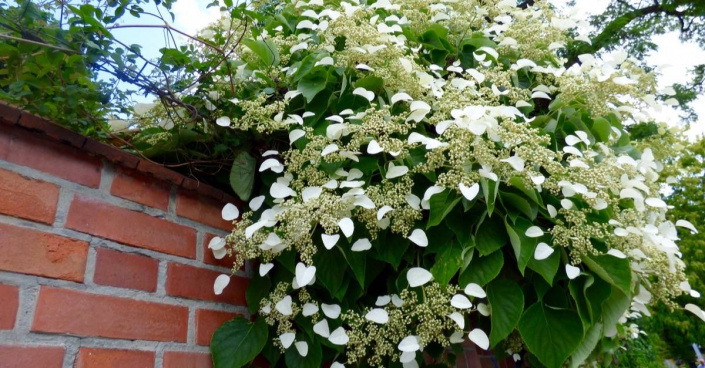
pixel 507 302
pixel 242 175
pixel 257 289
pixel 616 271
pixel 482 269
pixel 265 50
pixel 329 271
pixel 447 263
pixel 491 235
pixel 548 267
pixel 592 337
pixel 392 248
pixel 551 334
pixel 612 310
pixel 441 205
pixel 238 342
pixel 523 246
pixel 313 83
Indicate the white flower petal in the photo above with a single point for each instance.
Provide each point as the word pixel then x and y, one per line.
pixel 309 309
pixel 410 344
pixel 552 211
pixel 284 306
pixel 688 225
pixel 419 238
pixel 655 202
pixel 329 149
pixel 383 300
pixel 329 241
pixel 361 245
pixel 460 301
pixel 692 308
pixel 310 193
pixel 516 162
pixel 475 290
pixel 396 171
pixel 542 251
pixel 304 274
pixel 322 328
pixel 418 276
pixel 280 191
pixel 230 212
pixel 295 135
pixel 346 226
pixel 271 164
pixel 339 337
pixel 397 301
pixel 616 253
pixel 480 338
pixel 377 315
pixel 287 339
pixel 216 243
pixel 264 268
pixel 483 309
pixel 369 95
pixel 256 203
pixel 401 96
pixel 220 283
pixel 534 232
pixel 302 348
pixel 331 311
pixel 469 192
pixel 383 211
pixel 572 271
pixel 223 121
pixel 458 318
pixel 374 148
pixel 457 337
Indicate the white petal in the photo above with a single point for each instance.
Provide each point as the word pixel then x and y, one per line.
pixel 552 211
pixel 256 203
pixel 304 274
pixel 377 315
pixel 655 202
pixel 419 238
pixel 460 301
pixel 220 253
pixel 431 191
pixel 284 306
pixel 309 309
pixel 322 328
pixel 374 148
pixel 295 135
pixel 617 253
pixel 407 357
pixel 311 193
pixel 271 164
pixel 572 271
pixel 287 339
pixel 329 241
pixel 458 318
pixel 572 140
pixel 383 211
pixel 216 243
pixel 692 308
pixel 410 344
pixel 302 348
pixel 469 192
pixel 220 283
pixel 336 365
pixel 364 67
pixel 475 290
pixel 279 191
pixel 418 276
pixel 329 149
pixel 516 162
pixel 396 171
pixel 480 338
pixel 483 309
pixel 331 311
pixel 401 96
pixel 346 226
pixel 264 268
pixel 457 337
pixel 361 245
pixel 534 232
pixel 223 121
pixel 230 212
pixel 383 300
pixel 339 337
pixel 688 225
pixel 369 95
pixel 542 251
pixel 397 301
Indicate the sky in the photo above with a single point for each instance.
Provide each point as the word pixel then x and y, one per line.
pixel 673 58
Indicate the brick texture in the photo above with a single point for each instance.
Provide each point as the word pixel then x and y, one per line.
pixel 197 283
pixel 140 188
pixel 202 209
pixel 207 321
pixel 130 227
pixel 114 358
pixel 31 356
pixel 177 359
pixel 58 159
pixel 83 314
pixel 9 301
pixel 125 270
pixel 42 254
pixel 27 198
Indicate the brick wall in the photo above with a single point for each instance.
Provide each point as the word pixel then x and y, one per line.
pixel 103 256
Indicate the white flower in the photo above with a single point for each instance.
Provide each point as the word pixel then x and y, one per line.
pixel 475 290
pixel 542 251
pixel 469 192
pixel 230 212
pixel 368 95
pixel 534 232
pixel 331 311
pixel 410 344
pixel 377 315
pixel 418 276
pixel 419 238
pixel 460 301
pixel 480 338
pixel 220 283
pixel 339 336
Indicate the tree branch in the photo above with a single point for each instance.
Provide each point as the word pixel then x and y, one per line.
pixel 24 40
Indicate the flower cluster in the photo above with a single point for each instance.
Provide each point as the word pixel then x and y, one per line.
pixel 443 161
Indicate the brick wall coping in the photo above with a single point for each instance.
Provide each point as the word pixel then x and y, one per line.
pixel 12 115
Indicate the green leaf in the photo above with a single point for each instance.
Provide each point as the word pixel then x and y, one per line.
pixel 257 289
pixel 357 262
pixel 447 263
pixel 242 175
pixel 550 334
pixel 548 267
pixel 523 246
pixel 371 83
pixel 441 205
pixel 489 190
pixel 491 235
pixel 592 337
pixel 328 270
pixel 482 269
pixel 238 342
pixel 518 182
pixel 514 202
pixel 265 50
pixel 312 360
pixel 392 248
pixel 313 83
pixel 614 270
pixel 507 302
pixel 601 128
pixel 613 309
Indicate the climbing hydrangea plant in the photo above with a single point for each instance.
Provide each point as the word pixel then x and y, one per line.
pixel 437 175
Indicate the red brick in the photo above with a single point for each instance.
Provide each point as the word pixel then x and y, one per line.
pixel 27 198
pixel 160 172
pixel 208 258
pixel 114 358
pixel 9 114
pixel 202 209
pixel 29 149
pixel 197 283
pixel 6 133
pixel 125 270
pixel 31 356
pixel 111 153
pixel 177 359
pixel 51 129
pixel 130 227
pixel 37 253
pixel 207 321
pixel 140 188
pixel 62 311
pixel 9 301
